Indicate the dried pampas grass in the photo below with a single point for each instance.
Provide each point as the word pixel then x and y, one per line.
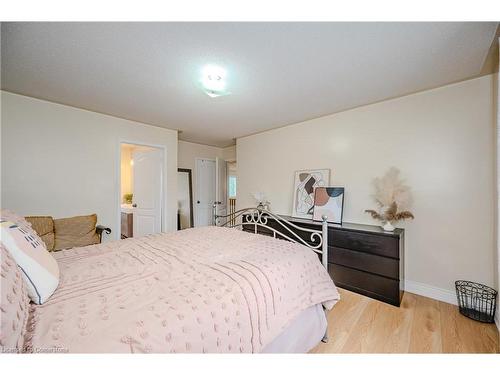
pixel 391 194
pixel 391 189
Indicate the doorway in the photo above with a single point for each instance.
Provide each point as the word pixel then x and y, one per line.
pixel 184 199
pixel 231 190
pixel 141 189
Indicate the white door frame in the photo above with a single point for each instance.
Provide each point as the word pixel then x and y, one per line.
pixel 196 187
pixel 118 182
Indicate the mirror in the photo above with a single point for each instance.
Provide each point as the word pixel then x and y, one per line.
pixel 184 199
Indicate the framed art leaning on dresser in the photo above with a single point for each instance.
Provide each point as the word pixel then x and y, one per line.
pixel 329 202
pixel 303 190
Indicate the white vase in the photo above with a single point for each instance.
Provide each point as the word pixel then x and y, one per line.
pixel 388 227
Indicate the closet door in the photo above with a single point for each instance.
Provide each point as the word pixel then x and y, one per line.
pixel 205 191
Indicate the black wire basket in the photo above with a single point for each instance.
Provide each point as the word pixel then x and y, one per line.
pixel 476 301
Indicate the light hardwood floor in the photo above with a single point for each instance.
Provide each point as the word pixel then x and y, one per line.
pixel 358 324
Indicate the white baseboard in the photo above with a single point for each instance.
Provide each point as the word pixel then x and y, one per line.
pixel 444 295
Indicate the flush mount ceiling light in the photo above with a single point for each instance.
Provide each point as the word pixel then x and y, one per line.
pixel 214 81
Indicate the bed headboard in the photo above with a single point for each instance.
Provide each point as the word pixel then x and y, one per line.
pixel 258 217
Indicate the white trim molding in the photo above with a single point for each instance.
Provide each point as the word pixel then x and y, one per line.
pixel 444 295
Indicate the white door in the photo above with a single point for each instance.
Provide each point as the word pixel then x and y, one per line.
pixel 221 186
pixel 147 188
pixel 205 191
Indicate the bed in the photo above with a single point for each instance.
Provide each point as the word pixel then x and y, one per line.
pixel 200 290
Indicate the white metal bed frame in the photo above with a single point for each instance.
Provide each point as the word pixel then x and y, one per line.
pixel 258 218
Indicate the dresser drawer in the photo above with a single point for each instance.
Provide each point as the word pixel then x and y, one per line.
pixel 374 286
pixel 379 265
pixel 373 244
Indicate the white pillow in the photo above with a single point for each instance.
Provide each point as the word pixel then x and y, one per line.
pixel 39 268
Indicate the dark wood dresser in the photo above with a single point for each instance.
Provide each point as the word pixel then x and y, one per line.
pixel 361 258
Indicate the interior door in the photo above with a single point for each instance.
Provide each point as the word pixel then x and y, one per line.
pixel 205 191
pixel 147 187
pixel 221 186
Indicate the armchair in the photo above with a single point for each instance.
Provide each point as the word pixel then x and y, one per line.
pixel 66 233
pixel 100 229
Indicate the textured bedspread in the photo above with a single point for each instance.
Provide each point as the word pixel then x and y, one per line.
pixel 197 290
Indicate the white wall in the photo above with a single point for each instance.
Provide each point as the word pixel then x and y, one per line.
pixel 62 161
pixel 229 153
pixel 441 140
pixel 188 152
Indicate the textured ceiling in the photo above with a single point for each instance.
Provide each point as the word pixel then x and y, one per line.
pixel 279 73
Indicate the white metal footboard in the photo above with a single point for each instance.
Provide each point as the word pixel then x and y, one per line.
pixel 258 218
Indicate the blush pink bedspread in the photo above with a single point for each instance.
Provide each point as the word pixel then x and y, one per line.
pixel 197 290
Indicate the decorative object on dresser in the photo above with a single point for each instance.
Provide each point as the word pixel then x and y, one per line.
pixel 329 202
pixel 362 258
pixel 260 199
pixel 303 190
pixel 393 198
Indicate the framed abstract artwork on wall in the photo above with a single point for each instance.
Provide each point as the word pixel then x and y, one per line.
pixel 329 201
pixel 303 192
